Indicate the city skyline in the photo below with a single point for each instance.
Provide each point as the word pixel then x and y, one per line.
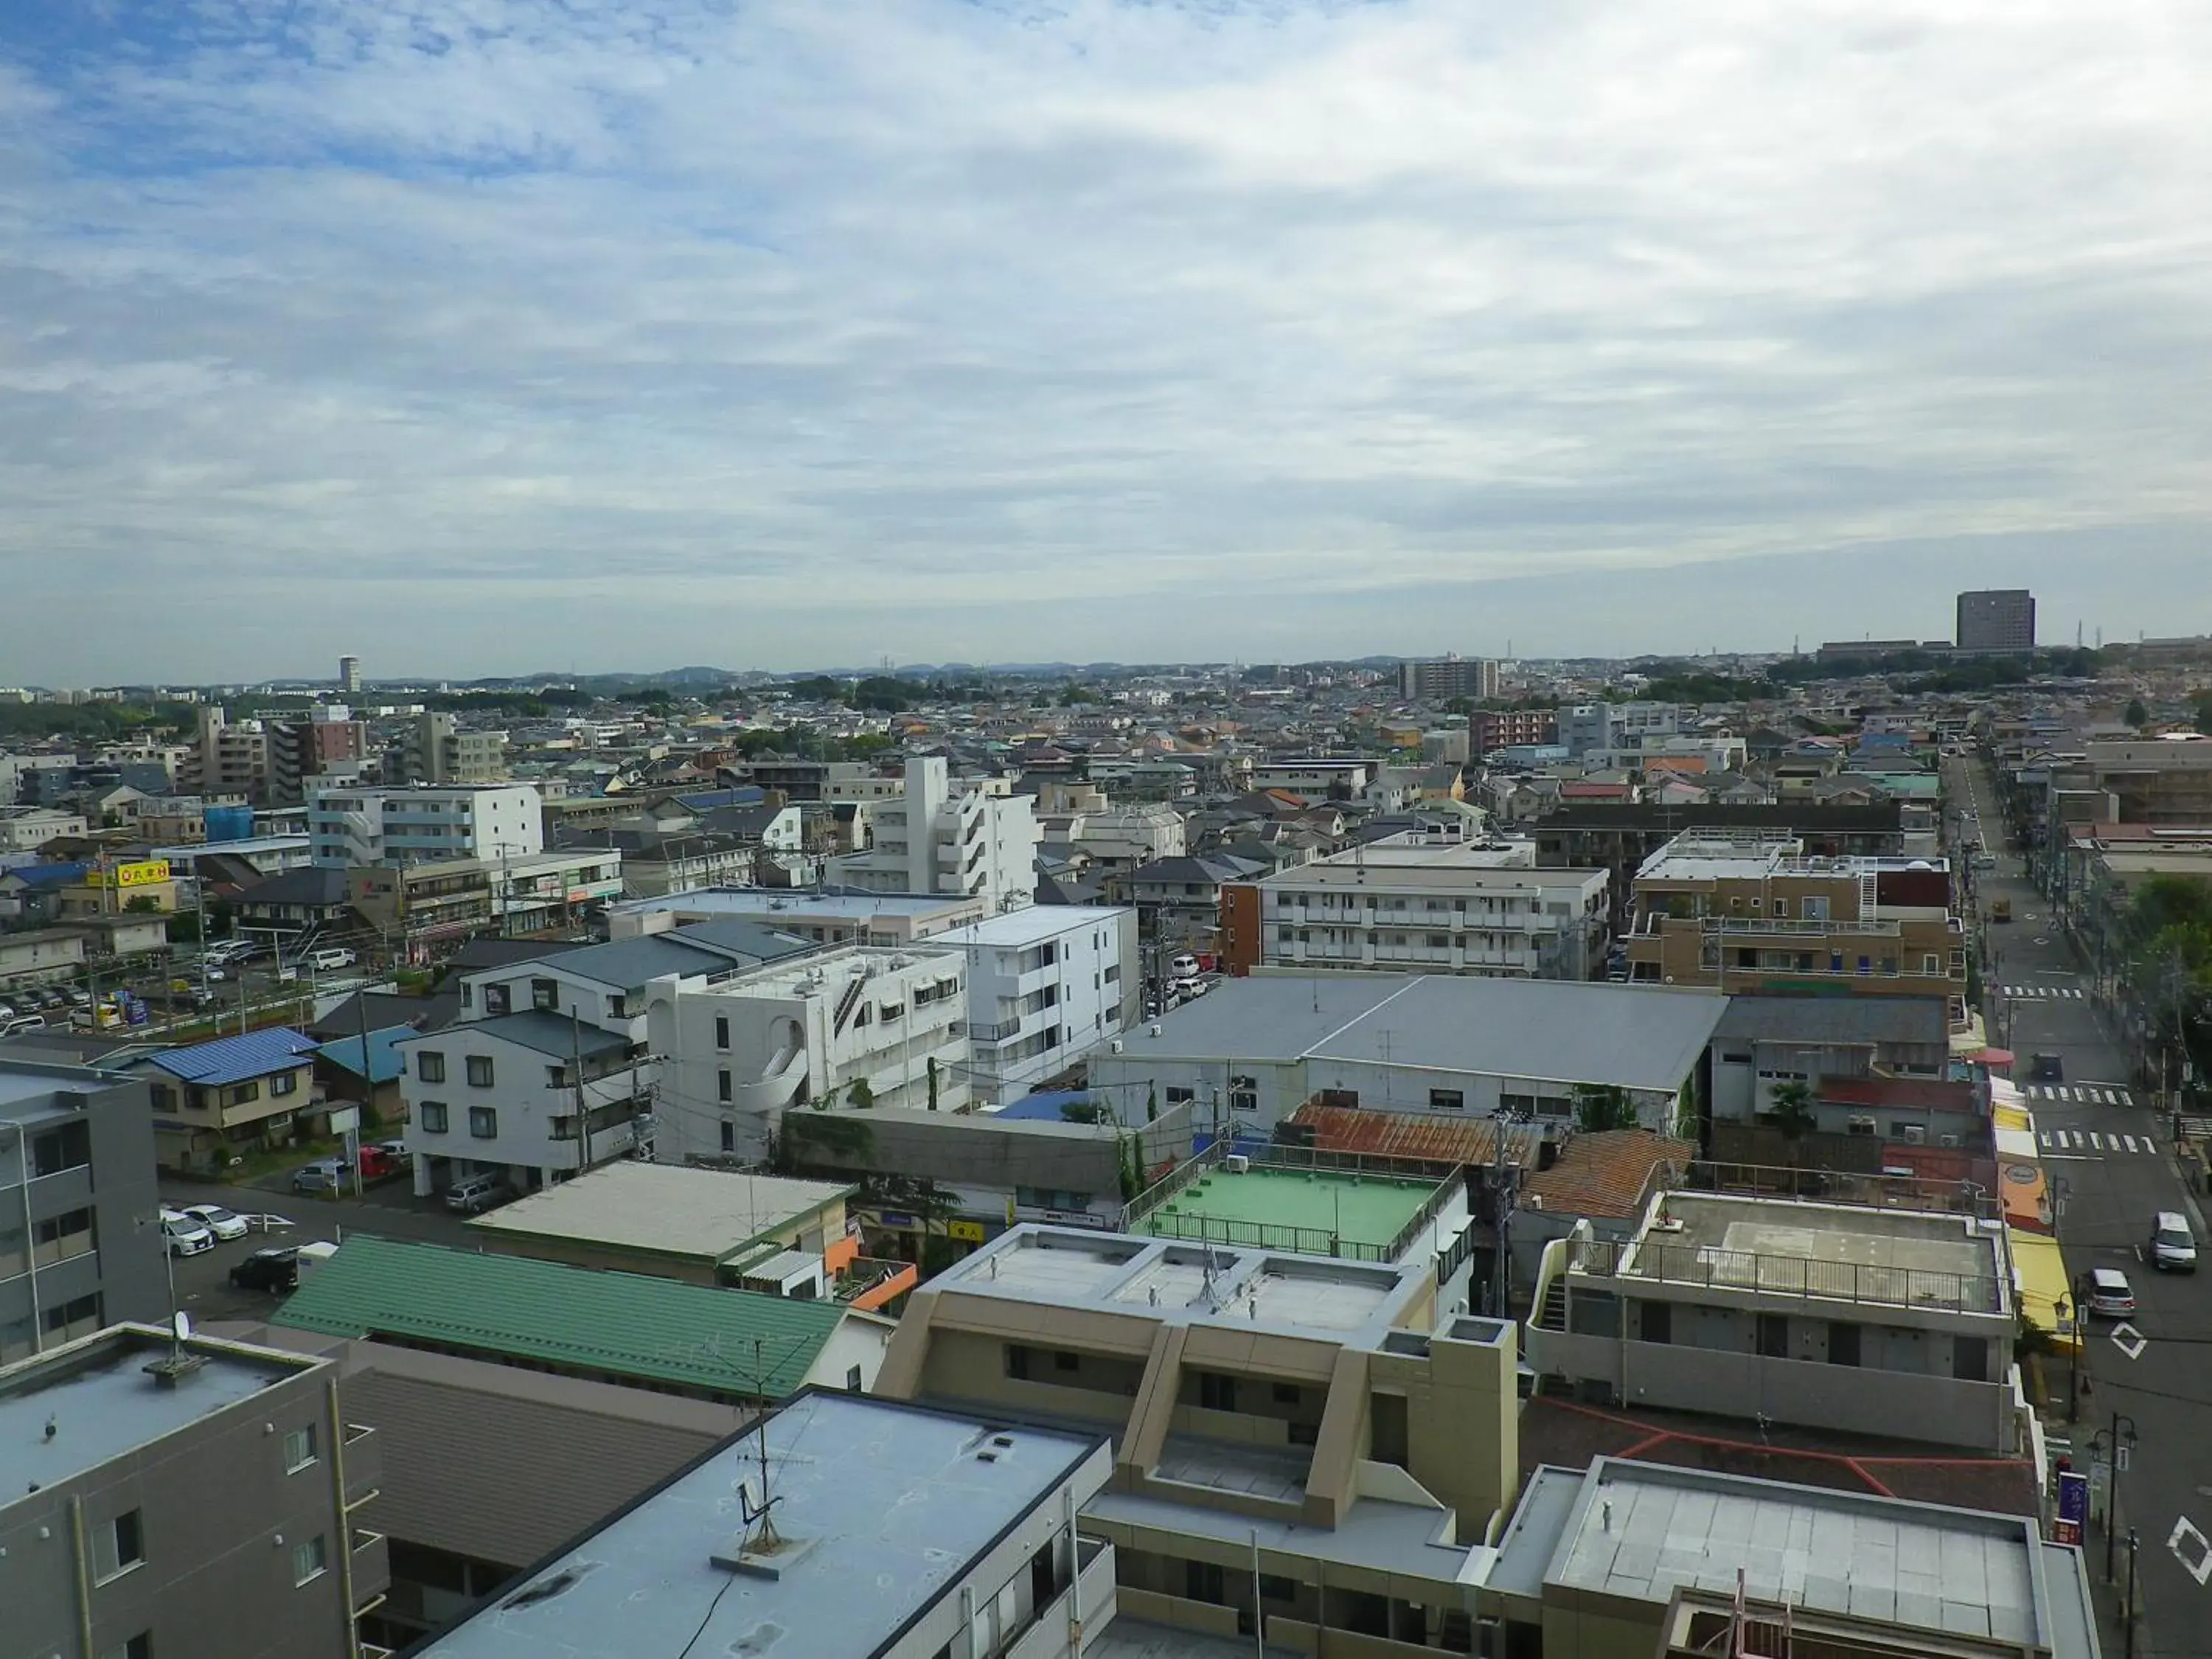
pixel 485 336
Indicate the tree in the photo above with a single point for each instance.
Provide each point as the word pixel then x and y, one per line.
pixel 2135 714
pixel 144 905
pixel 933 1083
pixel 861 1096
pixel 1792 1112
pixel 1600 1106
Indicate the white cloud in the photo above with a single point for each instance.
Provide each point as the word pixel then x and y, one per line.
pixel 790 333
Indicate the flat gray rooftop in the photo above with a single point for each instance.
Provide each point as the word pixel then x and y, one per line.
pixel 102 1404
pixel 1903 1257
pixel 1553 1031
pixel 1187 1282
pixel 1640 1530
pixel 895 1500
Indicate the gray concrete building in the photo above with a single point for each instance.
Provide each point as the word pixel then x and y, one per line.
pixel 1996 619
pixel 79 1243
pixel 192 1500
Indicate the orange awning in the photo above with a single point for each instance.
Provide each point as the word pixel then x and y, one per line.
pixel 2026 1194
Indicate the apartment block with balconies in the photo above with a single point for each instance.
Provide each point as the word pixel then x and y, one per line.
pixel 1868 1321
pixel 1413 904
pixel 1754 912
pixel 1307 1451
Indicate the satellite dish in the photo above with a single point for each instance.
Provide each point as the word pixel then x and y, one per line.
pixel 183 1323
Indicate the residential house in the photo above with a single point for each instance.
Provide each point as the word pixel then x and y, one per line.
pixel 212 1100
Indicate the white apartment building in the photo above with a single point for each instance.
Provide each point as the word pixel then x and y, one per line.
pixel 968 839
pixel 1616 724
pixel 27 829
pixel 348 827
pixel 1046 985
pixel 735 1055
pixel 1430 904
pixel 546 1070
pixel 1346 779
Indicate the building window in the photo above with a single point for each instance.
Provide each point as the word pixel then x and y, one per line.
pixel 430 1065
pixel 1284 1394
pixel 1781 907
pixel 468 994
pixel 617 1006
pixel 497 998
pixel 1843 1343
pixel 721 1030
pixel 1931 965
pixel 140 1646
pixel 299 1448
pixel 729 1137
pixel 1177 1097
pixel 480 1070
pixel 484 1122
pixel 1018 1362
pixel 723 1088
pixel 430 1117
pixel 284 1083
pixel 310 1560
pixel 1217 1393
pixel 1438 941
pixel 1447 1100
pixel 117 1546
pixel 545 995
pixel 1204 1580
pixel 243 1094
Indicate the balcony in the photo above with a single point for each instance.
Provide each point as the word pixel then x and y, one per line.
pixel 371 1569
pixel 363 1455
pixel 1089 1603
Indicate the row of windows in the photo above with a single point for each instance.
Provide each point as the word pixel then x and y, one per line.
pixel 1431 941
pixel 432 1118
pixel 430 1067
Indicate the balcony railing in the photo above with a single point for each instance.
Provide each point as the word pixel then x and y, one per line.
pixel 1715 1268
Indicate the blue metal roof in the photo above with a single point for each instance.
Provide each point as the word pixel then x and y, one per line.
pixel 48 875
pixel 707 799
pixel 384 1059
pixel 234 1060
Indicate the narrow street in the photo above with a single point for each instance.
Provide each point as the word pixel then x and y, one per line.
pixel 2110 1162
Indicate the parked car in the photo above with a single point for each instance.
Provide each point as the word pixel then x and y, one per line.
pixel 2111 1296
pixel 2172 1246
pixel 325 1176
pixel 18 1023
pixel 378 1162
pixel 185 1236
pixel 329 957
pixel 277 1268
pixel 223 1223
pixel 473 1194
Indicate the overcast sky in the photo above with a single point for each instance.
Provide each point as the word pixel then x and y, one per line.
pixel 490 336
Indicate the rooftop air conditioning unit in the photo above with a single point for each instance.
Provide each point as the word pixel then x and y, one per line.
pixel 1237 1164
pixel 1951 1141
pixel 1913 1134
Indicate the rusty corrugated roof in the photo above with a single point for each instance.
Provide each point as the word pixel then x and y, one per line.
pixel 1411 1135
pixel 1604 1173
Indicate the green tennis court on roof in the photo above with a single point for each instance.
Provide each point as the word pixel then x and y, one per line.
pixel 1316 1213
pixel 585 1322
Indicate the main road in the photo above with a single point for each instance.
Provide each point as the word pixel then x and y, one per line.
pixel 2109 1159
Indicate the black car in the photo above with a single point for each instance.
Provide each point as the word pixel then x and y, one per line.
pixel 274 1269
pixel 2045 1068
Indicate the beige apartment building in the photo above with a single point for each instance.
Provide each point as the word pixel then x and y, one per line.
pixel 1755 913
pixel 1308 1420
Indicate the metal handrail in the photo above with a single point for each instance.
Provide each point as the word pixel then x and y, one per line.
pixel 1717 1268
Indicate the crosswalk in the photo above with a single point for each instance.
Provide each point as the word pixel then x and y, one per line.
pixel 2079 1094
pixel 2050 992
pixel 2090 1143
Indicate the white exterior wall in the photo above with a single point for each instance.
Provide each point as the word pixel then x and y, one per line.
pixel 784 1046
pixel 524 1148
pixel 1028 1018
pixel 1524 924
pixel 977 840
pixel 32 828
pixel 347 826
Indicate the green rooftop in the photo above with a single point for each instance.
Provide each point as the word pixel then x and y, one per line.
pixel 1319 1213
pixel 576 1319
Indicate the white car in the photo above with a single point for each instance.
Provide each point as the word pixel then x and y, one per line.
pixel 184 1234
pixel 2111 1296
pixel 223 1223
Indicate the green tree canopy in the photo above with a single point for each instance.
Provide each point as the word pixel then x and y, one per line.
pixel 2135 714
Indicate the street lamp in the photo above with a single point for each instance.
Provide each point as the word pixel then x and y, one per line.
pixel 2114 1446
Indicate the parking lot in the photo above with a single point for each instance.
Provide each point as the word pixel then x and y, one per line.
pixel 203 1289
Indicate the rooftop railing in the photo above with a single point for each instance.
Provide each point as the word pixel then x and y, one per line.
pixel 1717 1268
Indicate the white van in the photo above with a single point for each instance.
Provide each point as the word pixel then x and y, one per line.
pixel 330 957
pixel 2172 1246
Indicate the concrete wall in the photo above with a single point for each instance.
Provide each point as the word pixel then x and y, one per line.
pixel 212 1498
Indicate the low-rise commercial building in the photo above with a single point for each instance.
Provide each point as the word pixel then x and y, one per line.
pixel 183 1496
pixel 1254 1050
pixel 1759 913
pixel 1875 1321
